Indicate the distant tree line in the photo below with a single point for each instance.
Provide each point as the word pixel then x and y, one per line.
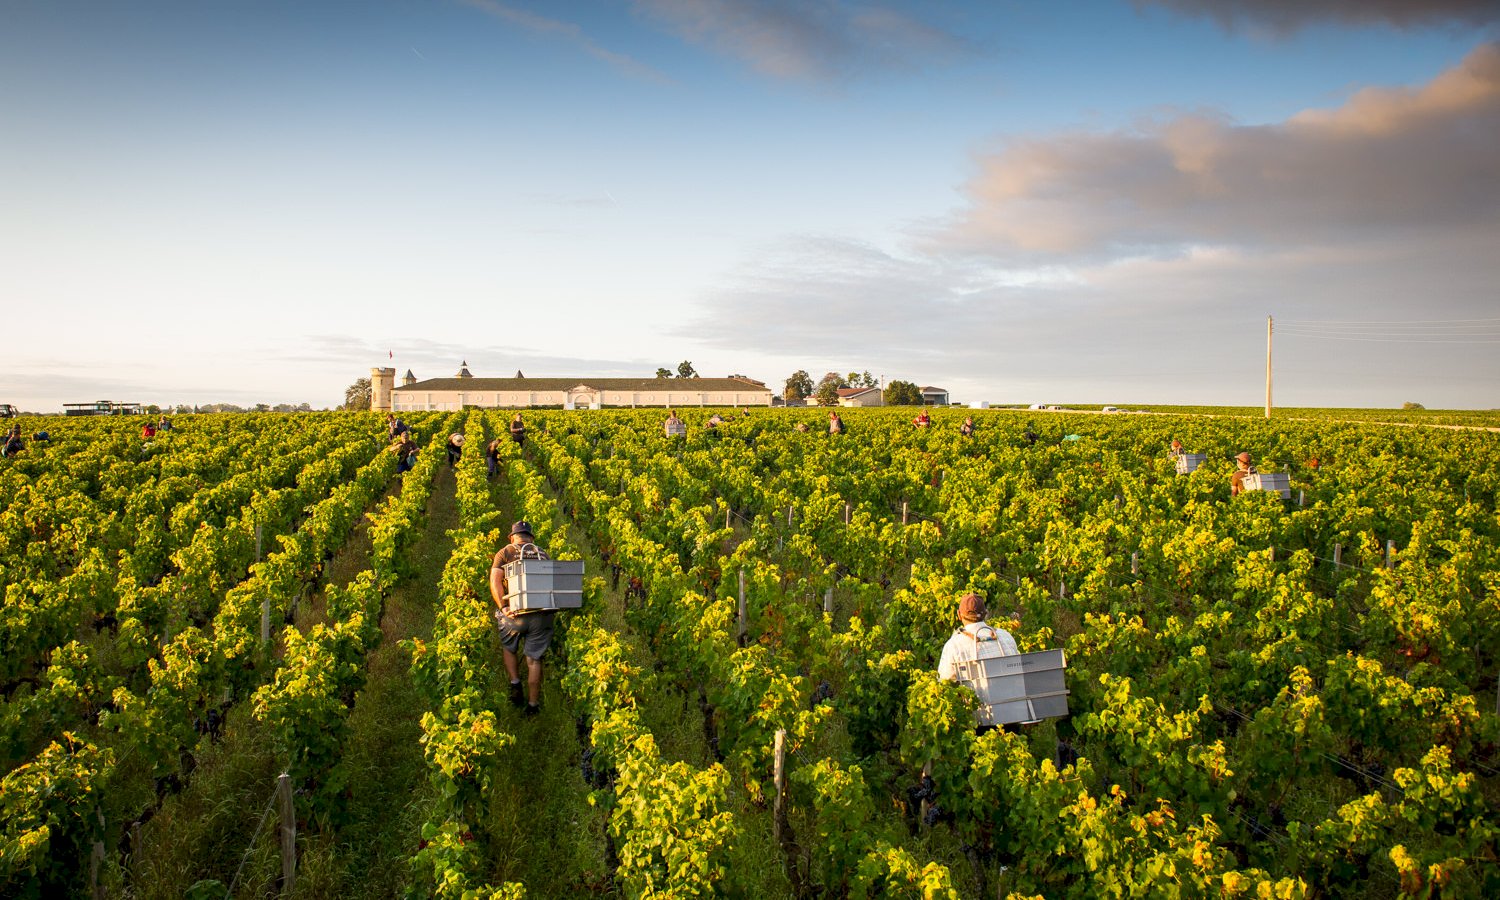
pixel 799 386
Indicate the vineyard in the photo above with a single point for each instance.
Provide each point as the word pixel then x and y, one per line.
pixel 1269 697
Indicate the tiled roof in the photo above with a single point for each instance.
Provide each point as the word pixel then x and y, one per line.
pixel 929 388
pixel 854 392
pixel 524 385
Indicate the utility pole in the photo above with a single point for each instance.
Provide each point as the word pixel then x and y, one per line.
pixel 1268 367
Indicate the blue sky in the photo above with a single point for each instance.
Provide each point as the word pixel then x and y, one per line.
pixel 1019 201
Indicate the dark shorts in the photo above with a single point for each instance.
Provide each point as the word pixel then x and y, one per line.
pixel 533 628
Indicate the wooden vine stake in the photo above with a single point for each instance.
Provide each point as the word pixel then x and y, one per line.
pixel 903 512
pixel 1390 554
pixel 1135 562
pixel 741 637
pixel 828 600
pixel 926 804
pixel 847 510
pixel 96 860
pixel 1338 555
pixel 288 832
pixel 778 809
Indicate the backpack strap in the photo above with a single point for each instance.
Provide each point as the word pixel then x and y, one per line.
pixel 975 635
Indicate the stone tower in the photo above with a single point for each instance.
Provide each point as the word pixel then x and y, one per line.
pixel 382 381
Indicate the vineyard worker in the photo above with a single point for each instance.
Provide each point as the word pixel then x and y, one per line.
pixel 517 429
pixel 673 425
pixel 1242 468
pixel 965 643
pixel 528 631
pixel 922 420
pixel 455 448
pixel 13 444
pixel 835 424
pixel 492 457
pixel 1176 449
pixel 406 453
pixel 148 431
pixel 1029 436
pixel 967 428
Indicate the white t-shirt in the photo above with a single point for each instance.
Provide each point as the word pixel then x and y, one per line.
pixel 964 644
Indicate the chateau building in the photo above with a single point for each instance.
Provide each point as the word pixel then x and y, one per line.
pixel 520 392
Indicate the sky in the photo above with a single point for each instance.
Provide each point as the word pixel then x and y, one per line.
pixel 1097 201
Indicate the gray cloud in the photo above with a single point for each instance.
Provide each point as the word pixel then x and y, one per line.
pixel 1116 267
pixel 1284 17
pixel 806 38
pixel 437 359
pixel 1389 161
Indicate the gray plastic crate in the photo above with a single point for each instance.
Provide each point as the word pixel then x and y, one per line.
pixel 544 584
pixel 1018 689
pixel 1280 482
pixel 1187 462
pixel 675 429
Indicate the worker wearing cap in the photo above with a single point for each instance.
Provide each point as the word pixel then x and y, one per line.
pixel 964 645
pixel 1242 468
pixel 528 631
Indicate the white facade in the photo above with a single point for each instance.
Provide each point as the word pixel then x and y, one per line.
pixel 416 397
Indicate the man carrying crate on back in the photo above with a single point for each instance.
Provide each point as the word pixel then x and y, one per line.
pixel 975 640
pixel 528 631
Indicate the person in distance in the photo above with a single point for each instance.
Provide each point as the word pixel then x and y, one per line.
pixel 835 424
pixel 1237 479
pixel 517 429
pixel 967 428
pixel 455 448
pixel 521 631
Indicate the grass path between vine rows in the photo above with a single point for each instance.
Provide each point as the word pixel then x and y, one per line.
pixel 673 718
pixel 214 829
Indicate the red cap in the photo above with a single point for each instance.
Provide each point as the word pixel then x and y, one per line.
pixel 1244 456
pixel 971 608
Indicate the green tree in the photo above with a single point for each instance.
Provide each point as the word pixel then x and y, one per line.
pixel 664 372
pixel 357 395
pixel 1411 404
pixel 685 370
pixel 902 393
pixel 799 386
pixel 861 379
pixel 827 391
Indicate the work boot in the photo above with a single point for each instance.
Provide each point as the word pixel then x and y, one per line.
pixel 517 698
pixel 531 710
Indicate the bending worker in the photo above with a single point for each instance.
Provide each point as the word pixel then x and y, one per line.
pixel 528 631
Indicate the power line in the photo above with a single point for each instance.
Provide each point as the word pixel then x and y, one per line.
pixel 1420 322
pixel 1376 340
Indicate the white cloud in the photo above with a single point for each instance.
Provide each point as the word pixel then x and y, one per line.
pixel 804 39
pixel 568 31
